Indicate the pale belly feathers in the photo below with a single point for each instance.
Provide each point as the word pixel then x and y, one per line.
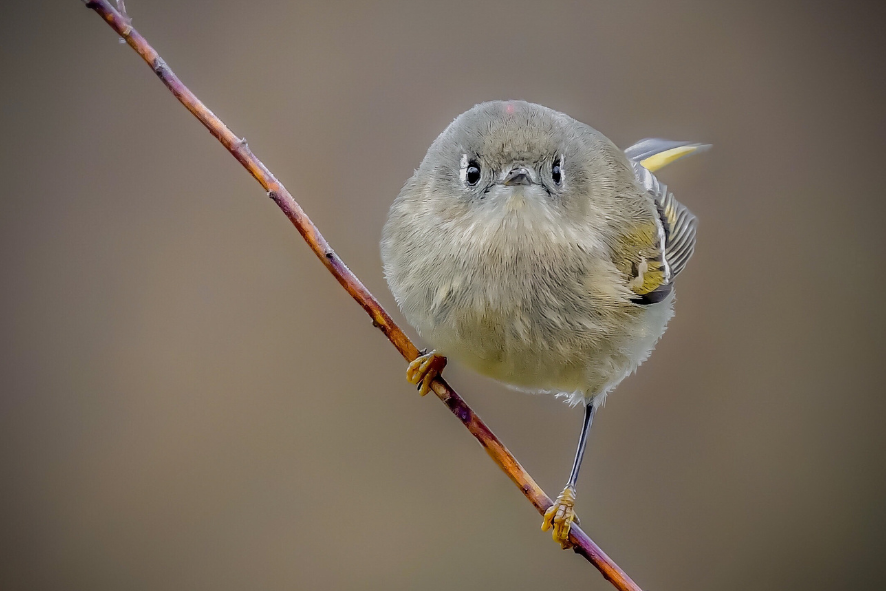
pixel 536 316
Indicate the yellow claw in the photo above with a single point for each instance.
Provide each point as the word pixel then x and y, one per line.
pixel 560 516
pixel 423 369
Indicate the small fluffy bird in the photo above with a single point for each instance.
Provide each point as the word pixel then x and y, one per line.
pixel 532 249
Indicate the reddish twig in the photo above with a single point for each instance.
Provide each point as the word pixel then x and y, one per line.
pixel 581 543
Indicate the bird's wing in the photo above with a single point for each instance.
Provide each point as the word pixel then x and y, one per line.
pixel 678 222
pixel 664 246
pixel 639 253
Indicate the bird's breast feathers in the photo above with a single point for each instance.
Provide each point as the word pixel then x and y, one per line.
pixel 553 315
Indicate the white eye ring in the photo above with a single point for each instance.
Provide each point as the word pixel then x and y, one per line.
pixel 463 169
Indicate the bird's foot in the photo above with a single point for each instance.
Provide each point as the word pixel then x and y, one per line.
pixel 560 517
pixel 423 369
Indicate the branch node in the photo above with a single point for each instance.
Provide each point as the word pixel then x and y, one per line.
pixel 127 27
pixel 330 255
pixel 160 67
pixel 121 8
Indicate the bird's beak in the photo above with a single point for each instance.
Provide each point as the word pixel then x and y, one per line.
pixel 519 175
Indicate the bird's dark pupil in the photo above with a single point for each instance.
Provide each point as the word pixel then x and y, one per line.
pixel 555 171
pixel 473 174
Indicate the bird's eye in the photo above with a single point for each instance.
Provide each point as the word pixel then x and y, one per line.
pixel 555 171
pixel 472 174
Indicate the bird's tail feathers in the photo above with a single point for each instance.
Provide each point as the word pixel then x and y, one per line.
pixel 655 153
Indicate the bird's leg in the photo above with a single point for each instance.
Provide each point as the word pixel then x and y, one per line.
pixel 423 369
pixel 561 514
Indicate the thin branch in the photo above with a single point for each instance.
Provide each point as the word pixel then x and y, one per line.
pixel 121 10
pixel 581 543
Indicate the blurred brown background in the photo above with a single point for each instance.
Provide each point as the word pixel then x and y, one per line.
pixel 189 401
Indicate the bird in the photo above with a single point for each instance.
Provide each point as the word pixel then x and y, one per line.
pixel 532 249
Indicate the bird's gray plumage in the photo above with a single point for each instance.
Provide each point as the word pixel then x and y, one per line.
pixel 539 285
